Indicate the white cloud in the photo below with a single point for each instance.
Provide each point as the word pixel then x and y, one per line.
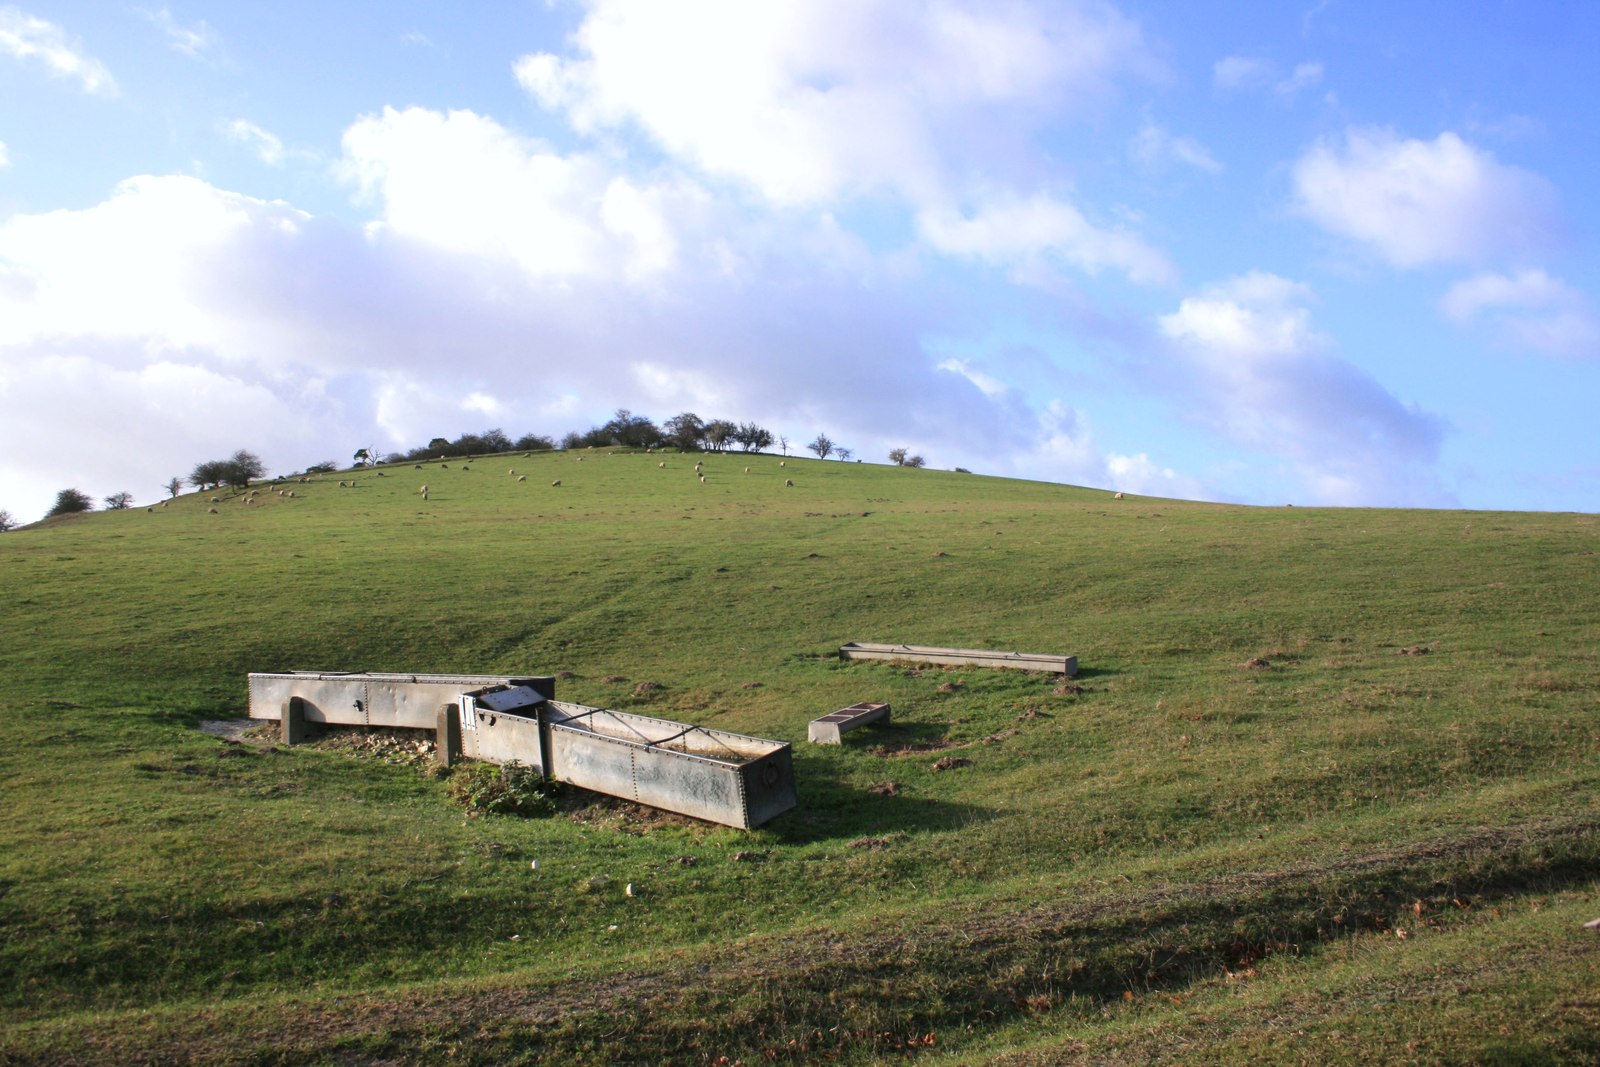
pixel 1154 147
pixel 1010 229
pixel 1418 202
pixel 266 145
pixel 462 183
pixel 192 40
pixel 1234 73
pixel 26 37
pixel 1528 310
pixel 1304 76
pixel 805 101
pixel 1255 370
pixel 5 157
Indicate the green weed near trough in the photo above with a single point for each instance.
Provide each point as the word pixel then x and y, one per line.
pixel 1325 788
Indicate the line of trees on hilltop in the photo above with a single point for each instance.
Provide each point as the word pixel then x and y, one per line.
pixel 687 431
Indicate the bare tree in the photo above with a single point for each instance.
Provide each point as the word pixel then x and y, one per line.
pixel 897 456
pixel 7 523
pixel 822 446
pixel 915 461
pixel 119 501
pixel 174 487
pixel 844 454
pixel 783 443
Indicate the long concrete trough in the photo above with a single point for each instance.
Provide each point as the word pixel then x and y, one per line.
pixel 708 774
pixel 951 657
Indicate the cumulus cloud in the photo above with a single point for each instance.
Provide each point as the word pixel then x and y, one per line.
pixel 265 144
pixel 1419 202
pixel 1012 229
pixel 192 40
pixel 461 182
pixel 1527 310
pixel 27 37
pixel 804 102
pixel 1261 375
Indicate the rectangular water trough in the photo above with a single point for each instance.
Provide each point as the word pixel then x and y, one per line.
pixel 960 657
pixel 709 774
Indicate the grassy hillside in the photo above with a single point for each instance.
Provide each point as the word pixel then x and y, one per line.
pixel 1326 787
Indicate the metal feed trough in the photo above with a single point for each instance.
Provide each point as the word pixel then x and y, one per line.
pixel 976 657
pixel 714 775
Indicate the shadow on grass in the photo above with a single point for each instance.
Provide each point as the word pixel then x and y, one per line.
pixel 832 807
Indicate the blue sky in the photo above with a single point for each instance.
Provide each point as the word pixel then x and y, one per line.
pixel 1335 253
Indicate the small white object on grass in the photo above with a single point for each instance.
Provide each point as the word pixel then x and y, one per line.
pixel 630 890
pixel 533 866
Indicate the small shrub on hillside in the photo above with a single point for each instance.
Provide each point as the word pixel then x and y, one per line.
pixel 509 790
pixel 70 502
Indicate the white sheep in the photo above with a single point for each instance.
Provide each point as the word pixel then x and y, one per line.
pixel 511 470
pixel 212 510
pixel 662 464
pixel 789 482
pixel 1117 497
pixel 522 477
pixel 555 483
pixel 747 470
pixel 702 479
pixel 783 463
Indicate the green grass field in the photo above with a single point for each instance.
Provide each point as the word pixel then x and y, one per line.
pixel 1379 846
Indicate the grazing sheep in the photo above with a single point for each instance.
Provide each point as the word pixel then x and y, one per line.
pixel 444 466
pixel 212 510
pixel 465 467
pixel 522 477
pixel 747 470
pixel 783 463
pixel 419 466
pixel 555 483
pixel 150 510
pixel 214 500
pixel 423 490
pixel 511 470
pixel 702 479
pixel 527 455
pixel 662 464
pixel 789 482
pixel 380 474
pixel 1117 497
